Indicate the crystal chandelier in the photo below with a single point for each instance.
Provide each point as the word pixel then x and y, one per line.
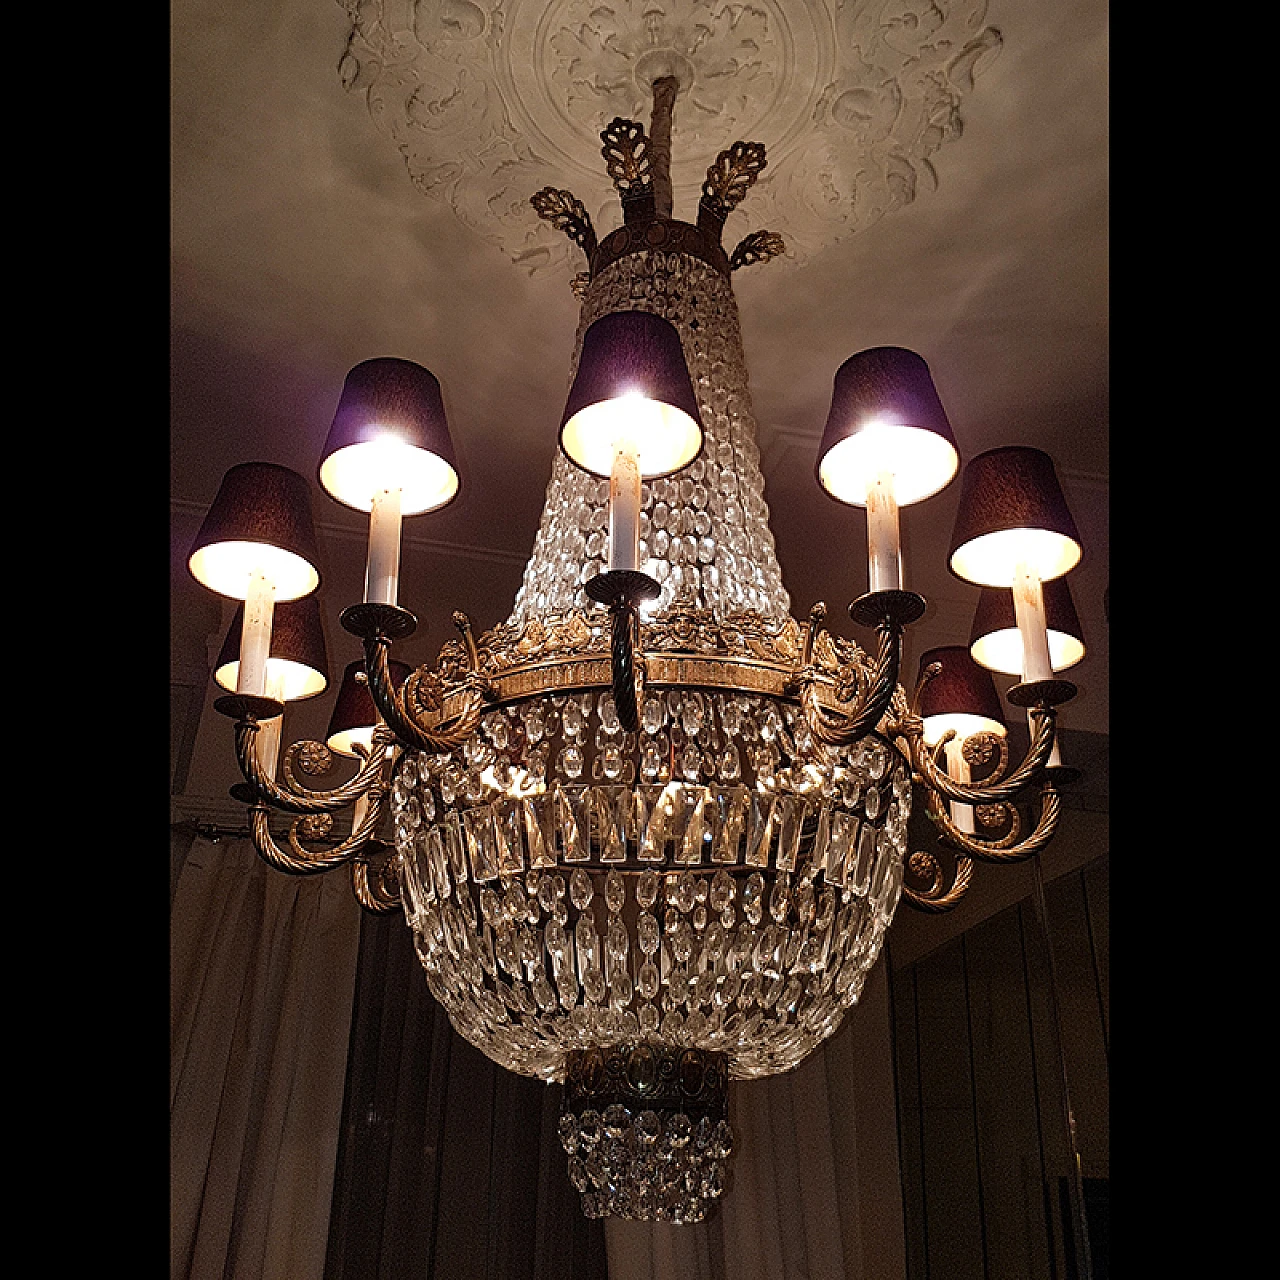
pixel 649 832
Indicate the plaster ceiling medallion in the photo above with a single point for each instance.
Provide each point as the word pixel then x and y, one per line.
pixel 491 100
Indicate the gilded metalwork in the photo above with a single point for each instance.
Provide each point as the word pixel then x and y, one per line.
pixel 759 246
pixel 728 180
pixel 564 211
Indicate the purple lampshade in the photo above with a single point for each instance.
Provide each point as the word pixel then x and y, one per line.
pixel 886 417
pixel 962 696
pixel 298 666
pixel 632 383
pixel 390 431
pixel 1012 510
pixel 996 642
pixel 260 521
pixel 354 714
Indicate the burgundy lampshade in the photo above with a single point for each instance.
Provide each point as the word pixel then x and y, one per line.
pixel 962 696
pixel 1012 510
pixel 354 714
pixel 886 417
pixel 260 521
pixel 299 663
pixel 996 642
pixel 390 431
pixel 632 382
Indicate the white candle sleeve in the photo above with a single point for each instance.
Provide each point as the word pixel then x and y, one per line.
pixel 624 509
pixel 1028 608
pixel 382 574
pixel 958 770
pixel 255 636
pixel 883 547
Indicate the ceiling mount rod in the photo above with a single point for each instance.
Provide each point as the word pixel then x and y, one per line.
pixel 665 89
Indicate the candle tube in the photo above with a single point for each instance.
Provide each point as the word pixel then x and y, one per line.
pixel 1028 608
pixel 382 573
pixel 269 731
pixel 255 635
pixel 883 546
pixel 624 508
pixel 958 770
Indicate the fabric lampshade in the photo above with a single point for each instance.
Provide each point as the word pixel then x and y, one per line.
pixel 298 666
pixel 632 385
pixel 260 521
pixel 1012 512
pixel 354 715
pixel 962 696
pixel 996 642
pixel 390 432
pixel 886 417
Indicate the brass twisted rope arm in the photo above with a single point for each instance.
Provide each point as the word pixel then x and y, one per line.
pixel 377 889
pixel 397 717
pixel 1000 851
pixel 939 897
pixel 296 859
pixel 301 800
pixel 871 701
pixel 938 781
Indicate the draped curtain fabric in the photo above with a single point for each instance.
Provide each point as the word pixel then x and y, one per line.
pixel 450 1167
pixel 262 976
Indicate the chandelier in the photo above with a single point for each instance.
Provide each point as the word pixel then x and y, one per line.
pixel 649 832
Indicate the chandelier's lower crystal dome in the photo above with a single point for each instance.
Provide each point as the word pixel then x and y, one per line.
pixel 735 907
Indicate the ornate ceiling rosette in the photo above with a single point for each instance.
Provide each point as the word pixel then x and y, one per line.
pixel 488 100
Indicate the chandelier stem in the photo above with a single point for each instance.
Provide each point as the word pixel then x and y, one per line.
pixel 665 89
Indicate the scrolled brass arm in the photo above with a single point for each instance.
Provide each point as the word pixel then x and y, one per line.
pixel 939 896
pixel 376 887
pixel 294 858
pixel 406 727
pixel 1004 850
pixel 296 798
pixel 872 700
pixel 1000 791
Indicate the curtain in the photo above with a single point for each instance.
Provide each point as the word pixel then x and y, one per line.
pixel 262 977
pixel 449 1167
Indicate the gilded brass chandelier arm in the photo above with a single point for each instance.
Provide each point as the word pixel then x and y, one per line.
pixel 622 591
pixel 406 728
pixel 623 621
pixel 1008 849
pixel 939 896
pixel 938 781
pixel 376 887
pixel 295 859
pixel 294 798
pixel 872 700
pixel 316 757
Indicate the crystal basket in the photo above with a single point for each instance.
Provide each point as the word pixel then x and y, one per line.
pixel 645 916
